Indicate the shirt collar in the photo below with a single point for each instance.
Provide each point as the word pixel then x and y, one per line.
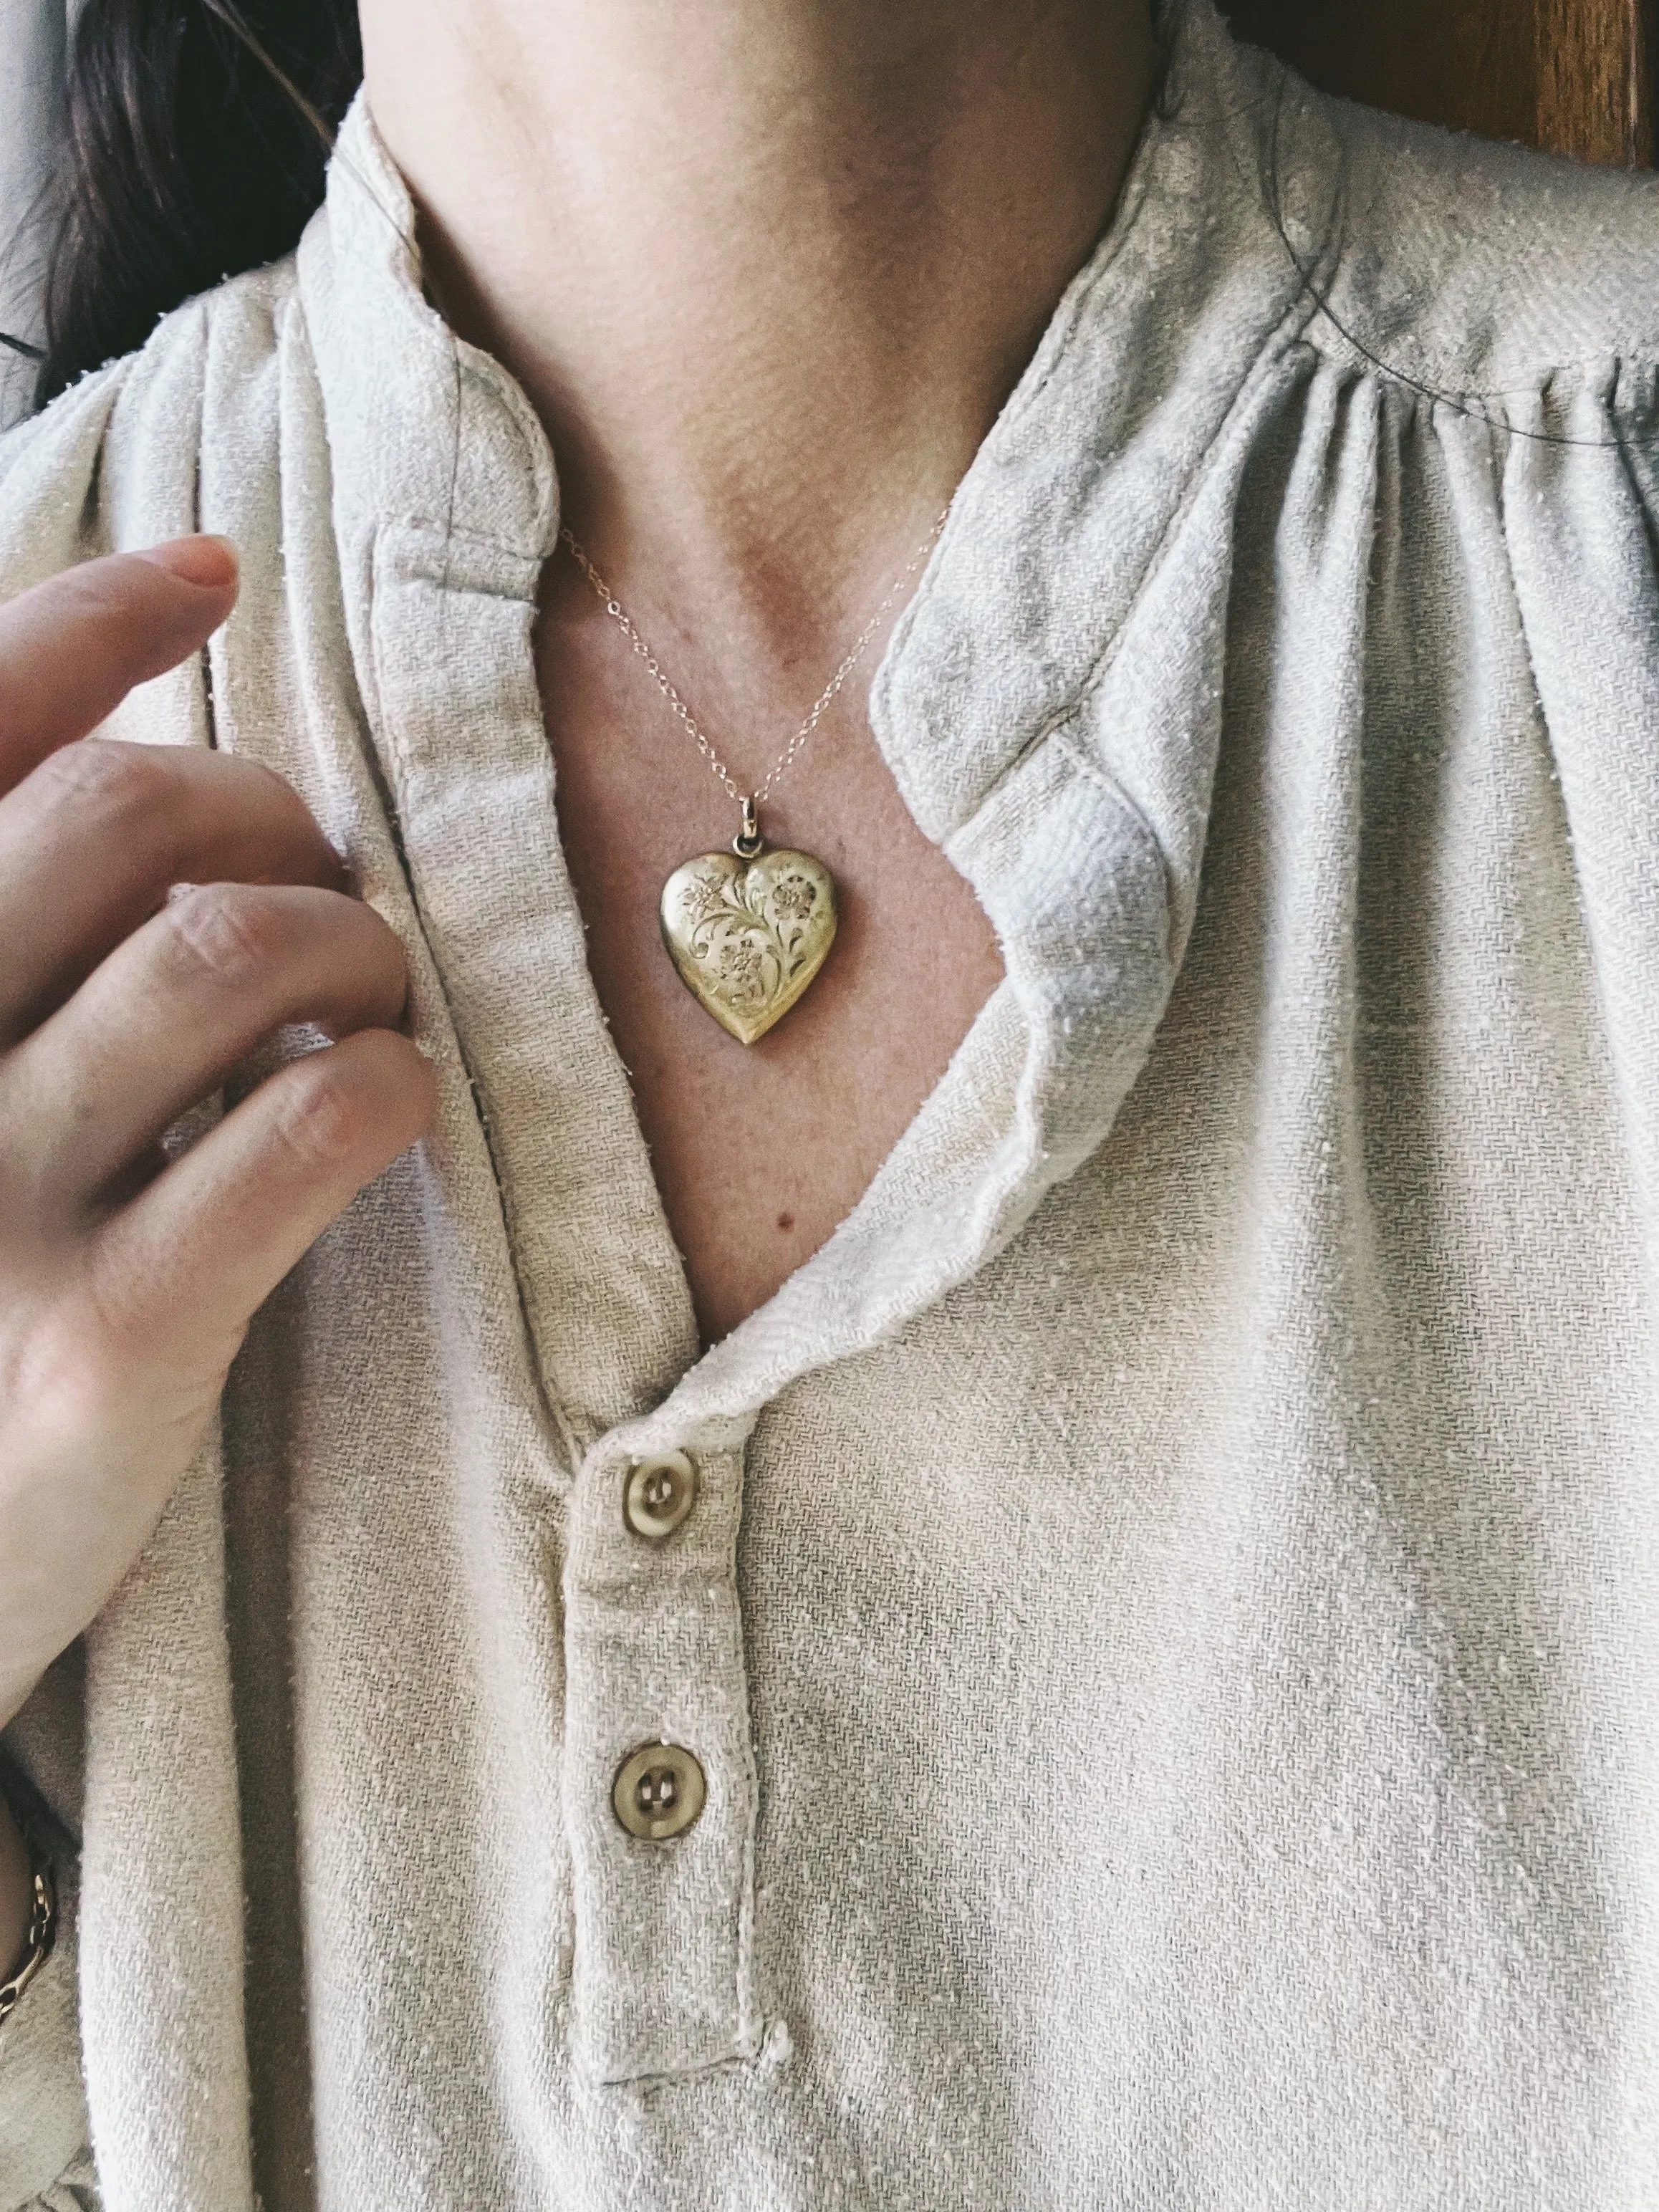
pixel 1049 702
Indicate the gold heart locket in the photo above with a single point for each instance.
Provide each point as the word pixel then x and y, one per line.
pixel 748 931
pixel 748 935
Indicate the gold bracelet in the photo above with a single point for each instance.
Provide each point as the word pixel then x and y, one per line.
pixel 43 1932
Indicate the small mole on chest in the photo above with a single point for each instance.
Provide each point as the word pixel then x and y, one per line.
pixel 786 1221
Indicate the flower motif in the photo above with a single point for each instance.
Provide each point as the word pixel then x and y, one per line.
pixel 740 967
pixel 702 900
pixel 794 897
pixel 747 941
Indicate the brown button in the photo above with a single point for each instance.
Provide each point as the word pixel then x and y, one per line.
pixel 659 1791
pixel 660 1493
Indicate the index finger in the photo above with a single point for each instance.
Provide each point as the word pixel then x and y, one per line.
pixel 73 647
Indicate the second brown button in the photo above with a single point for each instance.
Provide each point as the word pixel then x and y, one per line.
pixel 659 1791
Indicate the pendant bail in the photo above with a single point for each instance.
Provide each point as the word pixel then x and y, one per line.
pixel 748 842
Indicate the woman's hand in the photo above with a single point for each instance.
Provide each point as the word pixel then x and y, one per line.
pixel 126 1283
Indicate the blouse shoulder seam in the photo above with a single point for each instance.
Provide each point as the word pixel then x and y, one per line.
pixel 1439 382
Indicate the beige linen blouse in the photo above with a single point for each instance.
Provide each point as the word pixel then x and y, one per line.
pixel 1170 1616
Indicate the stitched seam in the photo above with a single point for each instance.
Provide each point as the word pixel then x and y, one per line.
pixel 1277 346
pixel 751 2061
pixel 1342 351
pixel 1346 349
pixel 1082 761
pixel 489 377
pixel 456 533
pixel 747 2011
pixel 551 1398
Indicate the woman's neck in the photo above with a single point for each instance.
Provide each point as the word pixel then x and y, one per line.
pixel 767 269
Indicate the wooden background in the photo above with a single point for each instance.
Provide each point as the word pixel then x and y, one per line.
pixel 1573 75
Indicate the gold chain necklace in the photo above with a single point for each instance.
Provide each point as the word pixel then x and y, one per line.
pixel 748 931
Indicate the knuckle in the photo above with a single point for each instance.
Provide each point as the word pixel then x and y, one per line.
pixel 322 1119
pixel 228 932
pixel 128 786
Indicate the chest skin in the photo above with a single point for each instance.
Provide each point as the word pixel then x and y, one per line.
pixel 758 1150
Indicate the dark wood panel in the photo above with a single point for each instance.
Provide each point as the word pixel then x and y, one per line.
pixel 1573 75
pixel 1595 96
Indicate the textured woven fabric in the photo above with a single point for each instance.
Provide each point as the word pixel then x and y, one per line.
pixel 1171 1616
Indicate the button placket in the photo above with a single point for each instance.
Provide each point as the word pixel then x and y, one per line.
pixel 659 1776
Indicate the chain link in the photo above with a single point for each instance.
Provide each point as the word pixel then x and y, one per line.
pixel 781 767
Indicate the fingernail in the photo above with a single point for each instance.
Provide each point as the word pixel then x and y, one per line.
pixel 210 561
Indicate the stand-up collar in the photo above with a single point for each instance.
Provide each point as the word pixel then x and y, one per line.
pixel 1050 702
